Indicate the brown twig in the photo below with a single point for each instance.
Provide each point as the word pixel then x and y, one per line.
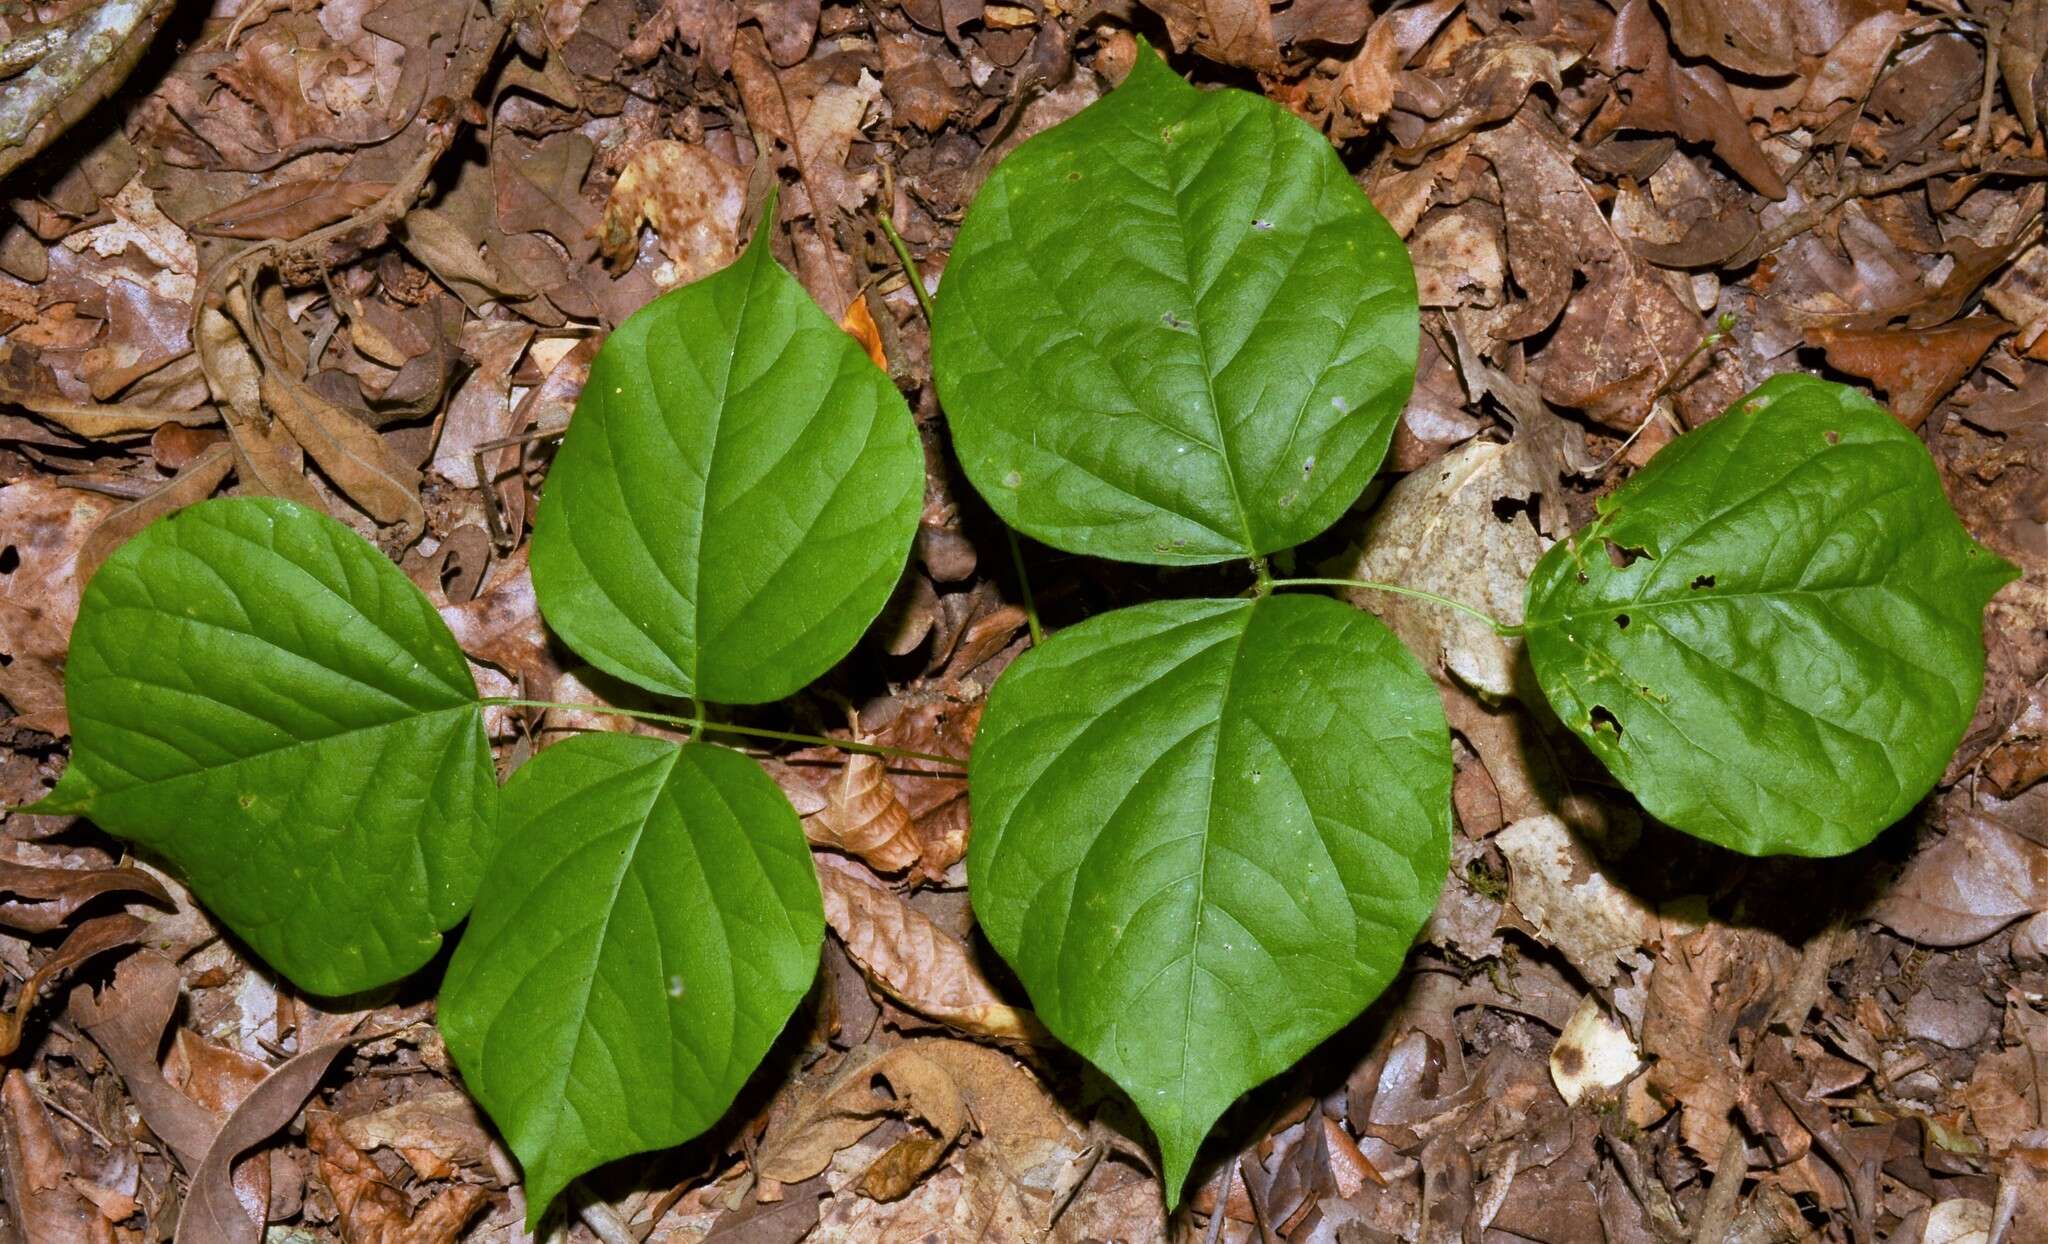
pixel 1861 186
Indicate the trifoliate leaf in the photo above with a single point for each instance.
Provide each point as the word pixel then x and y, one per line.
pixel 1772 634
pixel 637 946
pixel 1173 329
pixel 1205 833
pixel 262 699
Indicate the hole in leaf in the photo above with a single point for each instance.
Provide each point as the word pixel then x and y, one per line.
pixel 1832 437
pixel 1702 583
pixel 1621 621
pixel 1582 577
pixel 1623 558
pixel 10 560
pixel 1601 719
pixel 1506 508
pixel 1262 225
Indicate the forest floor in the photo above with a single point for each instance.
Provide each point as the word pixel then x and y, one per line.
pixel 1609 1031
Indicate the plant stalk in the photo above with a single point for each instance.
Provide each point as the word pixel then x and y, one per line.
pixel 1499 627
pixel 699 725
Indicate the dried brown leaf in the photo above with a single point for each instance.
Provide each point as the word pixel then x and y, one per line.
pixel 1914 368
pixel 46 897
pixel 864 817
pixel 351 452
pixel 213 1214
pixel 127 1021
pixel 910 958
pixel 89 940
pixel 40 1201
pixel 195 483
pixel 374 1212
pixel 292 209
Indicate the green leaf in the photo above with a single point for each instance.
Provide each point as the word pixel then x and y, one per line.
pixel 636 948
pixel 261 698
pixel 1793 650
pixel 1205 833
pixel 736 496
pixel 1173 330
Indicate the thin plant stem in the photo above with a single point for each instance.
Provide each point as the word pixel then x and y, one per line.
pixel 1499 627
pixel 924 302
pixel 725 727
pixel 1024 586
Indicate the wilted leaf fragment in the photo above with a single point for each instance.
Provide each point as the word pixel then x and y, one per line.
pixel 1205 834
pixel 634 955
pixel 1792 650
pixel 736 496
pixel 1173 329
pixel 260 697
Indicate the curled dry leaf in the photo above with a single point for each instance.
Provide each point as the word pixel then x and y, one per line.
pixel 93 938
pixel 213 1214
pixel 910 958
pixel 864 817
pixel 374 1212
pixel 44 898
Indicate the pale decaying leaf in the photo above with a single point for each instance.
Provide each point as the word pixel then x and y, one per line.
pixel 1027 1144
pixel 1593 1055
pixel 691 199
pixel 1560 889
pixel 43 527
pixel 1458 528
pixel 864 816
pixel 914 961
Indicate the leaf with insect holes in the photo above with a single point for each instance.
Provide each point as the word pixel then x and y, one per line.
pixel 634 956
pixel 1205 833
pixel 736 495
pixel 261 698
pixel 1173 329
pixel 1772 633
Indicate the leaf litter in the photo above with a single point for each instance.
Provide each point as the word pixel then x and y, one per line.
pixel 360 255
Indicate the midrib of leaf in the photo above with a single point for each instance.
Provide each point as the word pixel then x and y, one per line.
pixel 1187 1027
pixel 1173 190
pixel 558 1101
pixel 251 757
pixel 753 274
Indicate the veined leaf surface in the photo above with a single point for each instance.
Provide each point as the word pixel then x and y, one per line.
pixel 264 700
pixel 1173 329
pixel 636 948
pixel 736 495
pixel 1793 648
pixel 1205 833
